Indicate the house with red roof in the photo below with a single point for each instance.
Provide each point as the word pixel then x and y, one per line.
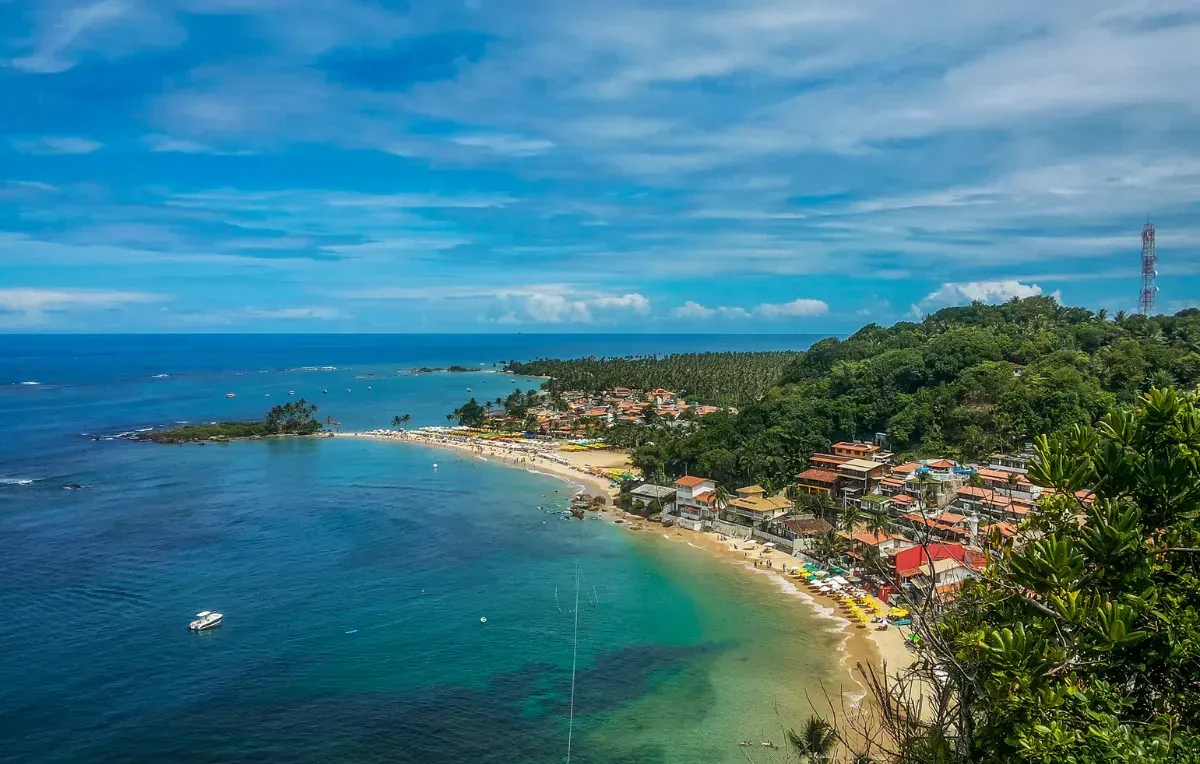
pixel 815 480
pixel 695 498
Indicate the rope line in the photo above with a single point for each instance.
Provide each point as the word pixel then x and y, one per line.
pixel 574 655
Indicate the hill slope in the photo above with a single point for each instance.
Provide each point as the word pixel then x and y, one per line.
pixel 964 382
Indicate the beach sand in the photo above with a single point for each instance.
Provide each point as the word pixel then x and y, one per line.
pixel 575 470
pixel 862 645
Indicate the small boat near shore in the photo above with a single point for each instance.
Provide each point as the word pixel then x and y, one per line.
pixel 206 619
pixel 230 395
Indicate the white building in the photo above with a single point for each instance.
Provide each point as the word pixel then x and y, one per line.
pixel 694 500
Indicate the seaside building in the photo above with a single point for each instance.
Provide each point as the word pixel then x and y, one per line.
pixel 883 541
pixel 648 493
pixel 859 477
pixel 815 480
pixel 948 526
pixel 694 500
pixel 753 507
pixel 803 531
pixel 992 505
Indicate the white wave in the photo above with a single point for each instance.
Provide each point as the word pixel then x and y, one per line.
pixel 31 383
pixel 16 481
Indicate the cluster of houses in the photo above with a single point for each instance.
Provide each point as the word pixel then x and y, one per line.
pixel 943 520
pixel 578 412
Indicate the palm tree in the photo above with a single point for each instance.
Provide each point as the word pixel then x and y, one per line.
pixel 721 497
pixel 849 517
pixel 815 742
pixel 1102 315
pixel 829 546
pixel 877 523
pixel 400 421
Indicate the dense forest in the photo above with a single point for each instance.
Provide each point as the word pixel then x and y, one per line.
pixel 964 382
pixel 719 379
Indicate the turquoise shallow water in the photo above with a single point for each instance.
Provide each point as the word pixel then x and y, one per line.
pixel 300 541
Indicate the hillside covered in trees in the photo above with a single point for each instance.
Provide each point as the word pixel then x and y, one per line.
pixel 719 379
pixel 964 382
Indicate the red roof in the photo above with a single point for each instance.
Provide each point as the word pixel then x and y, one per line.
pixel 877 538
pixel 1007 530
pixel 905 468
pixel 908 572
pixel 892 482
pixel 977 493
pixel 690 481
pixel 940 464
pixel 903 498
pixel 818 476
pixel 708 497
pixel 951 518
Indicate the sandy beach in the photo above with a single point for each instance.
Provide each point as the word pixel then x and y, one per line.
pixel 862 645
pixel 572 466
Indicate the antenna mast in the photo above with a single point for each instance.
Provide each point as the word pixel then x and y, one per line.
pixel 1149 271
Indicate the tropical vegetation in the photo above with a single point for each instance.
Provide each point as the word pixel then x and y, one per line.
pixel 292 418
pixel 720 379
pixel 1083 644
pixel 963 382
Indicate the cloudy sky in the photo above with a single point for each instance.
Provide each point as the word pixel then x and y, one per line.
pixel 587 165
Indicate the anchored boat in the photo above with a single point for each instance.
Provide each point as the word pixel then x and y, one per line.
pixel 205 619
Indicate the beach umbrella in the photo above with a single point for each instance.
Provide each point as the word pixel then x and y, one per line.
pixel 898 612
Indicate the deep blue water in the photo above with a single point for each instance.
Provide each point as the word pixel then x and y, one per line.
pixel 300 541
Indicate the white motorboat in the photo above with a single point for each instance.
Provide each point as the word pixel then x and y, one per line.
pixel 205 619
pixel 230 395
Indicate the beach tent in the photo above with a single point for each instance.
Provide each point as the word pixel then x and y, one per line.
pixel 839 580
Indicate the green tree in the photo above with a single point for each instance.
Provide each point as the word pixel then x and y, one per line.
pixel 1083 644
pixel 470 414
pixel 816 741
pixel 400 421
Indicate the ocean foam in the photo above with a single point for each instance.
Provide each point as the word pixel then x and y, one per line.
pixel 17 481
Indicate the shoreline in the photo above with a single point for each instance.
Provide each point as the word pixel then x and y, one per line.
pixel 499 452
pixel 866 646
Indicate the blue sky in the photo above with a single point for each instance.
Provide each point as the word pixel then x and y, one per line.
pixel 741 166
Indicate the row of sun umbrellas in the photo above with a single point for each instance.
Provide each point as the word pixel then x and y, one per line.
pixel 854 602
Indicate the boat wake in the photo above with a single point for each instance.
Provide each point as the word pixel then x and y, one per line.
pixel 18 481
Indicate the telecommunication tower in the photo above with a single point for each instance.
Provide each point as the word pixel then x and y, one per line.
pixel 1149 271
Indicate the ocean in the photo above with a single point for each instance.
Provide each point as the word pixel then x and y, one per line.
pixel 353 575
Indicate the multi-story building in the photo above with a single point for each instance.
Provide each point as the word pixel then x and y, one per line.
pixel 694 500
pixel 753 507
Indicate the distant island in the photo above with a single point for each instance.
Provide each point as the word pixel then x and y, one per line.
pixel 431 369
pixel 293 418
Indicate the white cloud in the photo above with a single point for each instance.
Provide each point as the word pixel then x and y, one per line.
pixel 974 291
pixel 57 145
pixel 633 302
pixel 34 303
pixel 795 308
pixel 63 31
pixel 799 307
pixel 165 144
pixel 692 310
pixel 290 314
pixel 512 145
pixel 566 307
